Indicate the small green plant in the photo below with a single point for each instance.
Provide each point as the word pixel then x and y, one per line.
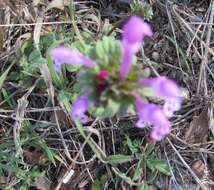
pixel 142 9
pixel 146 164
pixel 19 167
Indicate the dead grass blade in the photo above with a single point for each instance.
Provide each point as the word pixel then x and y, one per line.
pixel 210 113
pixel 19 116
pixel 203 187
pixel 202 75
pixel 176 10
pixel 1 38
pixel 59 4
pixel 37 30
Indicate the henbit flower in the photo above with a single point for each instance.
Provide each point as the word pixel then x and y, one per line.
pixel 57 66
pixel 63 54
pixel 126 60
pixel 163 86
pixel 141 123
pixel 157 135
pixel 135 30
pixel 166 89
pixel 80 106
pixel 151 114
pixel 171 105
pixel 159 132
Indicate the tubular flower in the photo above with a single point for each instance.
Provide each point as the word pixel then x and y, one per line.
pixel 157 132
pixel 166 89
pixel 80 106
pixel 66 55
pixel 150 114
pixel 135 30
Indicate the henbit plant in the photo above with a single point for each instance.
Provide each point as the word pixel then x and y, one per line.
pixel 107 89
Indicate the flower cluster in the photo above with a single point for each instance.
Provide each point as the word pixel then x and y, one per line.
pixel 123 83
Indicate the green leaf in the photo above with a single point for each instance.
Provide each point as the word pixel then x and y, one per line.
pixel 149 149
pixel 132 144
pixel 65 100
pixel 84 81
pixel 38 141
pixel 119 159
pixel 146 92
pixel 138 171
pixel 36 58
pixel 144 187
pixel 108 52
pixel 73 68
pixel 124 177
pixel 98 184
pixel 46 41
pixel 51 155
pixel 106 112
pixel 9 98
pixel 159 165
pixel 142 9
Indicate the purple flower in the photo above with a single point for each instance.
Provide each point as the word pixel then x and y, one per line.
pixel 135 30
pixel 160 131
pixel 157 132
pixel 162 86
pixel 80 106
pixel 66 55
pixel 141 123
pixel 126 60
pixel 166 89
pixel 57 66
pixel 171 105
pixel 151 114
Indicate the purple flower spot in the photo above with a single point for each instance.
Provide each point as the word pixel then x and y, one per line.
pixel 80 106
pixel 102 76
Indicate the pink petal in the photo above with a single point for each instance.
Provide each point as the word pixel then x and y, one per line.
pixel 80 106
pixel 135 30
pixel 163 86
pixel 66 55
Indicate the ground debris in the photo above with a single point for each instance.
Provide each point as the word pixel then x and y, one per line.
pixel 199 127
pixel 199 168
pixel 43 183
